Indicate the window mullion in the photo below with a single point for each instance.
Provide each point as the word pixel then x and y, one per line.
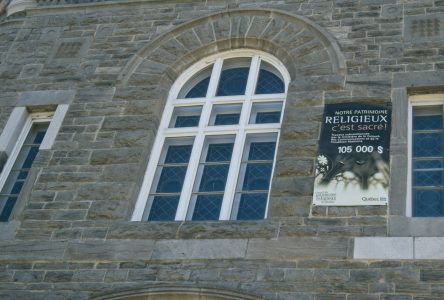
pixel 190 176
pixel 233 172
pixel 15 152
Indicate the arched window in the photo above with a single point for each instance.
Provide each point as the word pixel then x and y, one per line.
pixel 215 149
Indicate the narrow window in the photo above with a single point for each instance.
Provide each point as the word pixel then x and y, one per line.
pixel 24 135
pixel 427 161
pixel 214 153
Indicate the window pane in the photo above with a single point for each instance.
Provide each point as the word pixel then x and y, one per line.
pixel 16 178
pixel 427 117
pixel 262 151
pixel 187 121
pixel 214 178
pixel 252 206
pixel 268 112
pixel 187 116
pixel 207 207
pixel 211 179
pixel 254 177
pixel 428 178
pixel 428 203
pixel 219 152
pixel 233 82
pixel 168 180
pixel 199 90
pixel 225 114
pixel 171 180
pixel 227 119
pixel 257 177
pixel 178 154
pixel 427 144
pixel 163 208
pixel 197 86
pixel 7 204
pixel 269 83
pixel 268 117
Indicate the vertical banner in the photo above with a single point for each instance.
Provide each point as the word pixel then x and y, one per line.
pixel 353 162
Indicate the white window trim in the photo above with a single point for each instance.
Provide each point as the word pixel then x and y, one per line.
pixel 17 129
pixel 416 100
pixel 203 131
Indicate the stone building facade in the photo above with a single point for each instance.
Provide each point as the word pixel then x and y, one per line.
pixel 103 72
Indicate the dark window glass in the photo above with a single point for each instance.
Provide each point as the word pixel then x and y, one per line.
pixel 252 206
pixel 227 119
pixel 269 83
pixel 219 152
pixel 178 154
pixel 165 196
pixel 163 208
pixel 199 90
pixel 427 162
pixel 268 117
pixel 233 82
pixel 186 121
pixel 257 176
pixel 214 178
pixel 17 177
pixel 428 203
pixel 207 207
pixel 262 151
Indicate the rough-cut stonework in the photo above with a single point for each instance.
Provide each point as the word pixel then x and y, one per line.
pixel 115 61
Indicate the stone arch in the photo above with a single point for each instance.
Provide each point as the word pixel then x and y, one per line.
pixel 177 292
pixel 304 47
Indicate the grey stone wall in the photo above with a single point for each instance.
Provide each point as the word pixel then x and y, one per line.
pixel 72 238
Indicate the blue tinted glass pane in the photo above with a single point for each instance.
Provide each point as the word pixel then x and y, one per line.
pixel 32 153
pixel 163 208
pixel 17 187
pixel 252 206
pixel 268 83
pixel 427 122
pixel 427 178
pixel 428 164
pixel 7 209
pixel 214 178
pixel 268 117
pixel 207 207
pixel 39 137
pixel 219 152
pixel 262 151
pixel 257 177
pixel 171 180
pixel 428 203
pixel 427 144
pixel 226 119
pixel 22 175
pixel 199 90
pixel 178 154
pixel 186 121
pixel 233 82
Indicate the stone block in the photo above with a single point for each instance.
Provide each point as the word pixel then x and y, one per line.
pixel 46 97
pixel 383 248
pixel 298 248
pixel 21 250
pixel 109 250
pixel 228 229
pixel 143 230
pixel 115 156
pixel 429 247
pixel 200 249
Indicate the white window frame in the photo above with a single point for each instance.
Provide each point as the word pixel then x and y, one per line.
pixel 416 100
pixel 17 128
pixel 240 131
